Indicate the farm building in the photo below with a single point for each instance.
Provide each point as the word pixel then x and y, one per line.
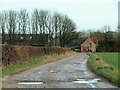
pixel 101 45
pixel 89 45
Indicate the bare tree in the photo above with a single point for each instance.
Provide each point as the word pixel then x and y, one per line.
pixel 68 31
pixel 1 29
pixel 45 28
pixel 11 26
pixel 57 27
pixel 44 17
pixel 23 24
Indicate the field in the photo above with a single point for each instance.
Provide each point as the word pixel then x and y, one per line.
pixel 106 65
pixel 110 58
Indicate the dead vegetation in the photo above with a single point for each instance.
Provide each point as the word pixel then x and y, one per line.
pixel 18 54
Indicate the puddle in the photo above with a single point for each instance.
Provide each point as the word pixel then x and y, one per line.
pixel 91 82
pixel 76 64
pixel 79 81
pixel 30 83
pixel 39 72
pixel 85 72
pixel 51 71
pixel 92 86
pixel 85 81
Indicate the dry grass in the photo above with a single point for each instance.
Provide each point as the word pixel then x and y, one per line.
pixel 12 69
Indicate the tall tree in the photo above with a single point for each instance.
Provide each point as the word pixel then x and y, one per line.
pixel 23 24
pixel 68 29
pixel 11 26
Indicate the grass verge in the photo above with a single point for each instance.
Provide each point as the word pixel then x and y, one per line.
pixel 102 68
pixel 12 69
pixel 110 58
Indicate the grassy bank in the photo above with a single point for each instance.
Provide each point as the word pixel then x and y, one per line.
pixel 106 65
pixel 9 70
pixel 110 58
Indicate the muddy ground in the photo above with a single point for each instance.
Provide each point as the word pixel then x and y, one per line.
pixel 71 72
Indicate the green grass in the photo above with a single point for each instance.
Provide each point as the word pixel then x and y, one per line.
pixel 110 58
pixel 106 65
pixel 12 69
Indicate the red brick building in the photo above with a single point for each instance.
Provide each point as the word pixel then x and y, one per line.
pixel 101 45
pixel 89 45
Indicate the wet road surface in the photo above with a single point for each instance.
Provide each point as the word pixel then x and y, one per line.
pixel 71 72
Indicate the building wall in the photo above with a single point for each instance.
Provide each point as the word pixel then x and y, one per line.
pixel 93 47
pixel 88 45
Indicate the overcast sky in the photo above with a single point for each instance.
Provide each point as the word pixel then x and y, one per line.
pixel 87 14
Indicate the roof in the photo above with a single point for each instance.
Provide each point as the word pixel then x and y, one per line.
pixel 94 39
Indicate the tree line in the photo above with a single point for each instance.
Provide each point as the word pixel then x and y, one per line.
pixel 107 37
pixel 45 28
pixel 104 35
pixel 49 29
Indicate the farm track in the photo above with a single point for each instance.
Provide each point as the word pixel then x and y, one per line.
pixel 71 72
